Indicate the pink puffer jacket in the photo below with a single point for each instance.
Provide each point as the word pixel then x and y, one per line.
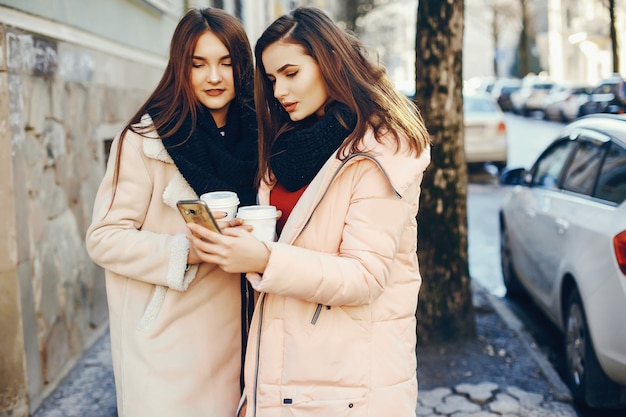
pixel 333 333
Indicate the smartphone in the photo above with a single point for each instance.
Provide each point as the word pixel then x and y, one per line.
pixel 197 211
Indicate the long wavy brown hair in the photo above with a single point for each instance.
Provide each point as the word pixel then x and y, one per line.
pixel 173 100
pixel 351 78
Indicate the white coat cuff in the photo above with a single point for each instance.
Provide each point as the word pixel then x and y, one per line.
pixel 177 278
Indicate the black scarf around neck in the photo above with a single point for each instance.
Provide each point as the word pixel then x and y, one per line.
pixel 211 162
pixel 298 154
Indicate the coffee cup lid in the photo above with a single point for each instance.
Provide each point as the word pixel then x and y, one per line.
pixel 257 212
pixel 220 198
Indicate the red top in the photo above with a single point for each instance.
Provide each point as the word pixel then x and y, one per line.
pixel 284 201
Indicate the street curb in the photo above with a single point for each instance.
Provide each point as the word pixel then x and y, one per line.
pixel 561 391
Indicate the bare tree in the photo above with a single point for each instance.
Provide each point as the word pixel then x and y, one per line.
pixel 614 44
pixel 351 10
pixel 445 311
pixel 494 16
pixel 524 39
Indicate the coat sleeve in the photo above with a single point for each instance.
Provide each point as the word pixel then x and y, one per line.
pixel 115 239
pixel 357 273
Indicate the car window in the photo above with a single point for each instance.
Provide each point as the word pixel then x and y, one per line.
pixel 582 172
pixel 543 86
pixel 474 104
pixel 549 165
pixel 612 180
pixel 509 89
pixel 605 88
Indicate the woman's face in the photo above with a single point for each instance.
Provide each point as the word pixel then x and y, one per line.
pixel 212 77
pixel 297 81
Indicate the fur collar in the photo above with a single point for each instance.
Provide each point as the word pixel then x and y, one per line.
pixel 152 146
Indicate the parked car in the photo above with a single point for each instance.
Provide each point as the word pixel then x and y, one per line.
pixel 502 90
pixel 564 101
pixel 563 242
pixel 609 96
pixel 479 84
pixel 485 130
pixel 530 97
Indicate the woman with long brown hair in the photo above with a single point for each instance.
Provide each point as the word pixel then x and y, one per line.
pixel 175 321
pixel 342 156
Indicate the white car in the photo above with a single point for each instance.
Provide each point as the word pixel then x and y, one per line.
pixel 530 97
pixel 563 242
pixel 485 130
pixel 564 101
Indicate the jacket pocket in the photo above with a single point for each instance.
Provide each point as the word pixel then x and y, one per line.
pixel 152 310
pixel 323 401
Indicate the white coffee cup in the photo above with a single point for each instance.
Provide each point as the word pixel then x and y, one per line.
pixel 224 201
pixel 262 219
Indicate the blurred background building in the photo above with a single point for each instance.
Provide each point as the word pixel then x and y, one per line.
pixel 73 71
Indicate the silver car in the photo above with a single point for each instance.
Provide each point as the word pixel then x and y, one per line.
pixel 563 242
pixel 486 138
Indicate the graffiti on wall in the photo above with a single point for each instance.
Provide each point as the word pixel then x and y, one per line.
pixel 77 66
pixel 25 55
pixel 31 54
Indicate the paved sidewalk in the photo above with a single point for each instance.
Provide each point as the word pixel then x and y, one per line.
pixel 488 400
pixel 501 374
pixel 512 377
pixel 88 390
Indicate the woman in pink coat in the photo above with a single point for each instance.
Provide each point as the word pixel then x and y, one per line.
pixel 342 156
pixel 176 322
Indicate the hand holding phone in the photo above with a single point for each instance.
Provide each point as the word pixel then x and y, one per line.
pixel 197 211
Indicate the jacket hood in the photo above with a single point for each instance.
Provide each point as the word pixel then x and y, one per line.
pixel 401 167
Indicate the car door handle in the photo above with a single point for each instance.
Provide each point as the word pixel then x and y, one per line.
pixel 561 225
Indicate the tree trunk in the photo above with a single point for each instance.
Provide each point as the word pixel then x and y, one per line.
pixel 614 44
pixel 445 311
pixel 349 14
pixel 495 35
pixel 524 50
pixel 350 11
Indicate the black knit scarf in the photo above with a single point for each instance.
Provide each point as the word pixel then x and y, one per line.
pixel 298 154
pixel 212 162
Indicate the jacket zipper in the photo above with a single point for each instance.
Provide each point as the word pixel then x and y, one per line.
pixel 316 315
pixel 258 353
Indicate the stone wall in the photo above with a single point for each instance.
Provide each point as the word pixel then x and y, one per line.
pixel 59 104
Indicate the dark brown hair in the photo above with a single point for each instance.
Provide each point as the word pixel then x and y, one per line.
pixel 173 100
pixel 351 78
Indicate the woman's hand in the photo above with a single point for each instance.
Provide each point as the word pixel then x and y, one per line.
pixel 235 250
pixel 194 257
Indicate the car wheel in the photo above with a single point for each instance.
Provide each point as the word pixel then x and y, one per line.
pixel 584 376
pixel 511 281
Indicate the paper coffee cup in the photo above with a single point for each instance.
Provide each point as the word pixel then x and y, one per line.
pixel 262 219
pixel 224 201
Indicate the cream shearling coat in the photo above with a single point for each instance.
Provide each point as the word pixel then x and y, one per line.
pixel 334 331
pixel 175 335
